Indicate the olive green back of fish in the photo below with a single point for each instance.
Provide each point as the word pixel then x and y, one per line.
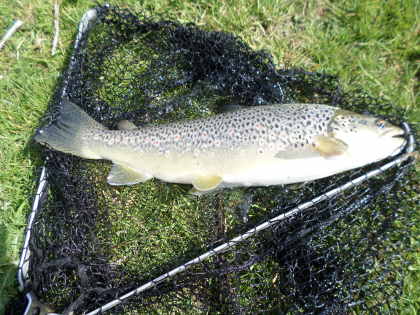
pixel 287 127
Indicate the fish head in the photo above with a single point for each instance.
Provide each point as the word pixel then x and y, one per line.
pixel 367 137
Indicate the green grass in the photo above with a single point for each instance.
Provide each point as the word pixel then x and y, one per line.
pixel 369 44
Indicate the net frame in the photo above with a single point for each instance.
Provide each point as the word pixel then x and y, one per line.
pixel 233 242
pixel 22 274
pixel 23 277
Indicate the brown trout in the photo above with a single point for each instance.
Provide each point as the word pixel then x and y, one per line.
pixel 255 146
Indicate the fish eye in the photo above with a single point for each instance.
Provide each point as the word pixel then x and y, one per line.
pixel 380 123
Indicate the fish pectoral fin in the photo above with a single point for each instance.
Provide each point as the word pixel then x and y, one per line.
pixel 329 146
pixel 126 125
pixel 122 175
pixel 205 183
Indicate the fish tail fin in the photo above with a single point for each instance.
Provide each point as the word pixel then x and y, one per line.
pixel 71 132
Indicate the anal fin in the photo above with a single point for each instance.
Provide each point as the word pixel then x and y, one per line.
pixel 122 175
pixel 205 183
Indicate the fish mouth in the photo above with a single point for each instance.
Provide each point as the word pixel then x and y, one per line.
pixel 394 133
pixel 399 139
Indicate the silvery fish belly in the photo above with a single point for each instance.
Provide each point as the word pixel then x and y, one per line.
pixel 264 145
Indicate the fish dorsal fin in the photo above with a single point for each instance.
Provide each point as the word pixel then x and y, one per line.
pixel 122 175
pixel 205 183
pixel 228 108
pixel 329 146
pixel 126 125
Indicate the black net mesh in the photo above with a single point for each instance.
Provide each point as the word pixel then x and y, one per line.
pixel 92 243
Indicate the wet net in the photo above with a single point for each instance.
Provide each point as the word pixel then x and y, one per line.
pixel 335 245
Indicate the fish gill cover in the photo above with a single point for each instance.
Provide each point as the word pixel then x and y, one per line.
pixel 92 243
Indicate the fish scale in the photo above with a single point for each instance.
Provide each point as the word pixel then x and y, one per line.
pixel 285 126
pixel 254 146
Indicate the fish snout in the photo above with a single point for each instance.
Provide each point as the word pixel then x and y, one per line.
pixel 394 132
pixel 397 139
